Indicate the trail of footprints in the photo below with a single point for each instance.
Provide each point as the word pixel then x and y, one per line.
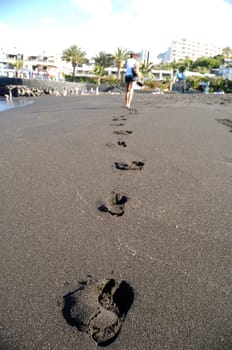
pixel 115 203
pixel 99 308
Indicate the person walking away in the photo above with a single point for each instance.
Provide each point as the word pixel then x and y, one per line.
pixel 132 73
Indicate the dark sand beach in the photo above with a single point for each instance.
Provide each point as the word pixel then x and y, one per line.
pixel 60 159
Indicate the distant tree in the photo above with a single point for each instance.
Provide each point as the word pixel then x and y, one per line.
pixel 217 61
pixel 146 68
pixel 227 52
pixel 182 65
pixel 102 60
pixel 74 55
pixel 99 71
pixel 120 56
pixel 174 65
pixel 205 64
pixel 18 64
pixel 181 68
pixel 187 63
pixel 163 65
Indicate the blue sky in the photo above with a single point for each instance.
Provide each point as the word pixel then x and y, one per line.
pixel 26 13
pixel 104 25
pixel 29 12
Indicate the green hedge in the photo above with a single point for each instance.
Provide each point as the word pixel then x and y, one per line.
pixel 216 84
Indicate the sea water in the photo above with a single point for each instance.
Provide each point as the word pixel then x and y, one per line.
pixel 6 105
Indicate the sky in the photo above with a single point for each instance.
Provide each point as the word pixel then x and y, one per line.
pixel 105 25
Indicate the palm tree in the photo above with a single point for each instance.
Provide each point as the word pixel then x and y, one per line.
pixel 120 57
pixel 99 71
pixel 74 55
pixel 102 61
pixel 18 64
pixel 146 68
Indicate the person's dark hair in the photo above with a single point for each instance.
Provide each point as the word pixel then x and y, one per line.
pixel 132 55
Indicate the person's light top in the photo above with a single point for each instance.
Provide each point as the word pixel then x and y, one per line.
pixel 130 63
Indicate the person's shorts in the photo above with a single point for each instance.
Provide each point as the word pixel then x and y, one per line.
pixel 129 78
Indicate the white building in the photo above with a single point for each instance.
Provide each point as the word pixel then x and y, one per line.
pixel 182 48
pixel 7 60
pixel 35 64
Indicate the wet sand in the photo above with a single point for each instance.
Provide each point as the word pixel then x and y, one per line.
pixel 172 243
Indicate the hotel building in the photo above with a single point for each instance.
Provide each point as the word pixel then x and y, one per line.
pixel 182 48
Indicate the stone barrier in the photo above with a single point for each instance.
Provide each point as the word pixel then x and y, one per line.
pixel 36 87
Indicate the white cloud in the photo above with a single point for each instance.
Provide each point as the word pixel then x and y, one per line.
pixel 93 8
pixel 140 24
pixel 10 36
pixel 153 25
pixel 48 20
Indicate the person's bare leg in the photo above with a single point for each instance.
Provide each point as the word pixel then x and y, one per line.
pixel 127 97
pixel 130 95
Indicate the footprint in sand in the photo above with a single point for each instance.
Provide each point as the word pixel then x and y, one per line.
pixel 226 122
pixel 133 165
pixel 122 143
pixel 117 124
pixel 110 144
pixel 122 132
pixel 119 143
pixel 133 111
pixel 115 204
pixel 99 308
pixel 122 117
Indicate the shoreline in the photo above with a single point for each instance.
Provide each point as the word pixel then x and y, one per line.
pixel 18 102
